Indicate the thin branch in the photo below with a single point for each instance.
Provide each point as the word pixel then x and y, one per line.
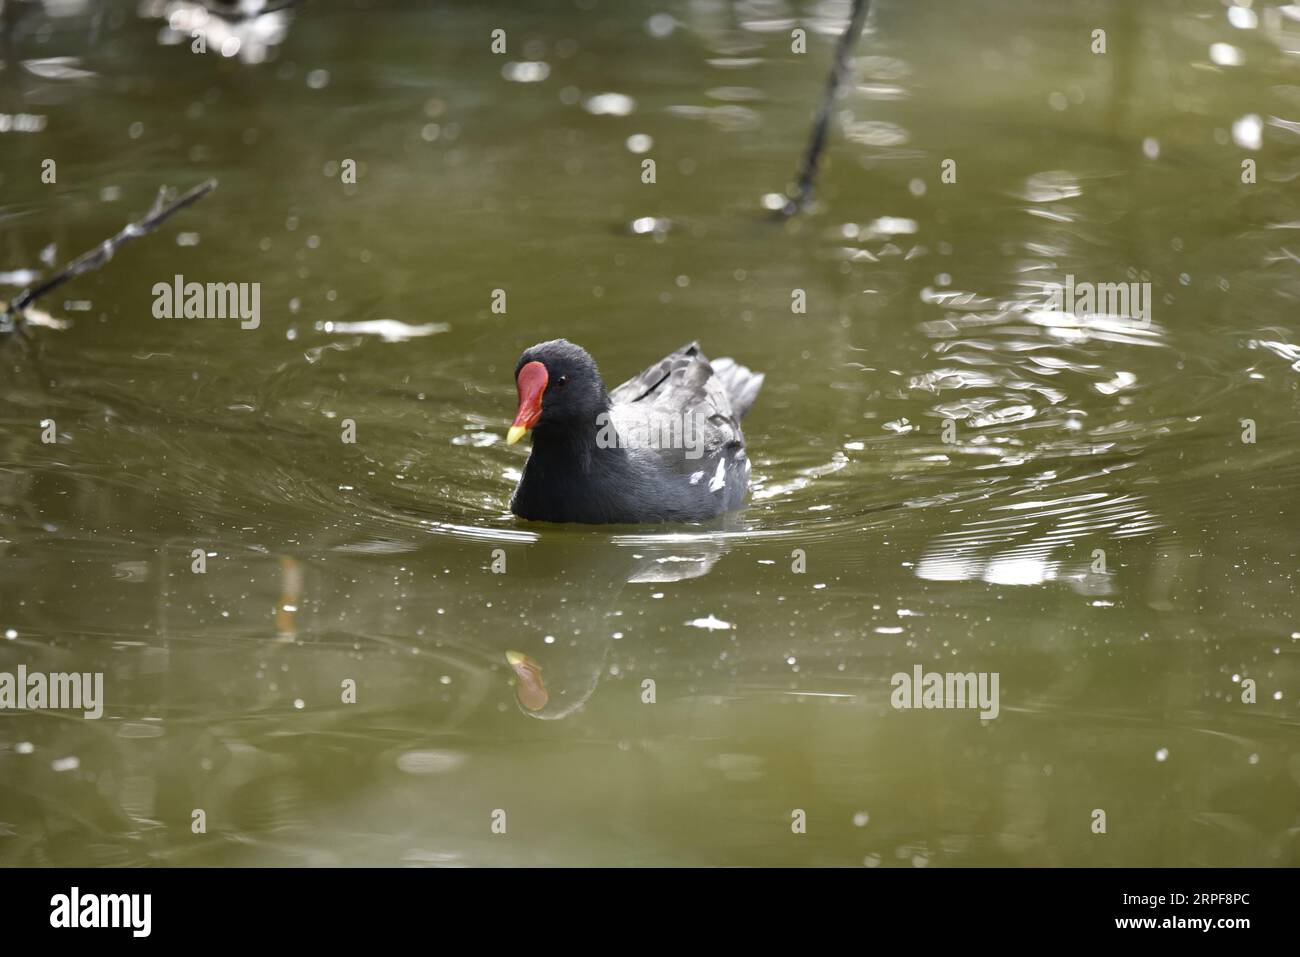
pixel 104 251
pixel 821 125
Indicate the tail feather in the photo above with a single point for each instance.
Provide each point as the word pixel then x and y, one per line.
pixel 741 383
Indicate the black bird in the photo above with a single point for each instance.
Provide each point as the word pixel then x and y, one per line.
pixel 665 446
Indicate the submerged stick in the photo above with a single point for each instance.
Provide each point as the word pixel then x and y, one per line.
pixel 105 250
pixel 821 125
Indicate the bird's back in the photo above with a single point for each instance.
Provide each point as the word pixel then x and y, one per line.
pixel 685 413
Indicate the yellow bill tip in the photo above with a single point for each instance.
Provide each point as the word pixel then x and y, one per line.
pixel 516 658
pixel 516 433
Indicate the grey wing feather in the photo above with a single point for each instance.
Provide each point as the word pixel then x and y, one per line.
pixel 685 391
pixel 741 384
pixel 652 378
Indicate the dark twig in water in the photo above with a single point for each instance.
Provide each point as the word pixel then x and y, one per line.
pixel 104 251
pixel 821 125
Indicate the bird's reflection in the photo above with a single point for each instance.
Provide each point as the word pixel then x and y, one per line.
pixel 543 615
pixel 563 592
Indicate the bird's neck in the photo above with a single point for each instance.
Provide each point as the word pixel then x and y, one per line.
pixel 575 450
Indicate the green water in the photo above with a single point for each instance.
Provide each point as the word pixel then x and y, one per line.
pixel 946 474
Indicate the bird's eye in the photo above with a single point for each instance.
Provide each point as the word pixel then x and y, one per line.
pixel 561 381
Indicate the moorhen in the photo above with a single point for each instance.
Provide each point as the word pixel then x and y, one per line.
pixel 665 446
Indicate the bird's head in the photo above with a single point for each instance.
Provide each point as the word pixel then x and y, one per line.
pixel 559 388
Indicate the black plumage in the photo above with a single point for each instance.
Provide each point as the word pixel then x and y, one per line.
pixel 665 446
